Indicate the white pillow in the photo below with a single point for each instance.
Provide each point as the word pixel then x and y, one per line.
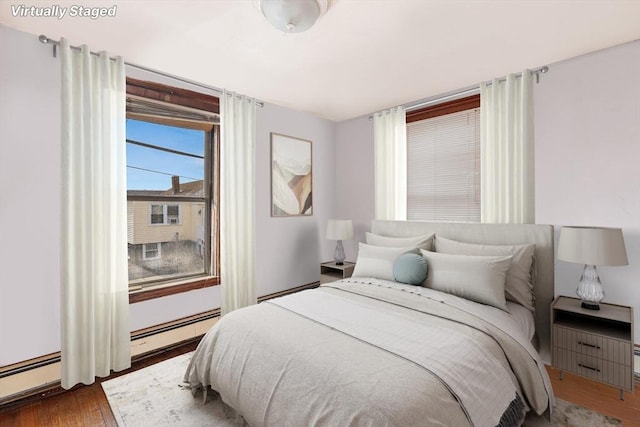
pixel 377 261
pixel 519 283
pixel 423 242
pixel 476 278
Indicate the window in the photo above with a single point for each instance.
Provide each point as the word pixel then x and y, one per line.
pixel 172 174
pixel 151 251
pixel 165 214
pixel 443 162
pixel 172 214
pixel 157 214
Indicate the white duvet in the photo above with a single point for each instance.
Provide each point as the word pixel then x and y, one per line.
pixel 372 352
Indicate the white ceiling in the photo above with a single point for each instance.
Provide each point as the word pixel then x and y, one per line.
pixel 361 56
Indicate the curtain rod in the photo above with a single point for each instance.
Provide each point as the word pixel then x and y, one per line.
pixel 463 92
pixel 54 44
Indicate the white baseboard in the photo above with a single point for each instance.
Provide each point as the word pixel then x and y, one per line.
pixel 173 336
pixel 13 387
pixel 16 384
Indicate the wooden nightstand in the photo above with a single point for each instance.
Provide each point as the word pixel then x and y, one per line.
pixel 330 271
pixel 597 344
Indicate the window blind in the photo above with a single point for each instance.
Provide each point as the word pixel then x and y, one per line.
pixel 443 167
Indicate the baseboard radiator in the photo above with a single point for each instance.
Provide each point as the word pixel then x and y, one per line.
pixel 43 374
pixel 40 375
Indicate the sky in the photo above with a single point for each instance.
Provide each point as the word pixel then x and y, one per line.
pixel 162 163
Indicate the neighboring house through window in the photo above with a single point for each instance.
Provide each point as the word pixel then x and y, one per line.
pixel 172 175
pixel 443 161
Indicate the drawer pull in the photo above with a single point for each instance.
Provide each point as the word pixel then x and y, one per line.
pixel 589 345
pixel 588 367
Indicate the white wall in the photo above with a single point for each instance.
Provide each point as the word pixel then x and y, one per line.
pixel 354 178
pixel 29 198
pixel 288 249
pixel 588 157
pixel 587 128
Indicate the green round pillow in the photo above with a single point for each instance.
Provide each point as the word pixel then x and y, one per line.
pixel 410 269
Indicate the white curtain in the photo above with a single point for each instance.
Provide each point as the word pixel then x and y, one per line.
pixel 507 151
pixel 390 151
pixel 95 294
pixel 237 201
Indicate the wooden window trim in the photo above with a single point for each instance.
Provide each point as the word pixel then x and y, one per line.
pixel 172 95
pixel 449 107
pixel 158 291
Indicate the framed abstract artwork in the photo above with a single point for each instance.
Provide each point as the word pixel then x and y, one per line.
pixel 291 176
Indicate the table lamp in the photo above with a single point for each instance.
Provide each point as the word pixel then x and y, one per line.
pixel 591 246
pixel 339 229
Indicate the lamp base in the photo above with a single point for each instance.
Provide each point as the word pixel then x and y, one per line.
pixel 338 255
pixel 590 289
pixel 590 305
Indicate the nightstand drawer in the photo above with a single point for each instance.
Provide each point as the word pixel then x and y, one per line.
pixel 592 345
pixel 592 367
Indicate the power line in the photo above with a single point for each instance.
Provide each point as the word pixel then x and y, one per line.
pixel 168 150
pixel 163 173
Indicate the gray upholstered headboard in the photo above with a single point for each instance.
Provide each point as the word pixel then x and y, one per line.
pixel 496 234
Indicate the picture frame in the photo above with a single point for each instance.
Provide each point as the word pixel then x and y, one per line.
pixel 291 176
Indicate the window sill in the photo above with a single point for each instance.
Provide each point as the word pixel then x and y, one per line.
pixel 165 289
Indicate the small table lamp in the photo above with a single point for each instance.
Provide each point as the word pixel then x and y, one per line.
pixel 339 229
pixel 591 246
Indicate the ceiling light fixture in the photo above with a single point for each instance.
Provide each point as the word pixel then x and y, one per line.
pixel 292 16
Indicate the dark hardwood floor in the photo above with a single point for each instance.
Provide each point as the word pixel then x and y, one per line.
pixel 88 406
pixel 81 406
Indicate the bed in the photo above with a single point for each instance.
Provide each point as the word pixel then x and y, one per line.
pixel 372 351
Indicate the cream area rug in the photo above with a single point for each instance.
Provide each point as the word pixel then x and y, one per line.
pixel 155 396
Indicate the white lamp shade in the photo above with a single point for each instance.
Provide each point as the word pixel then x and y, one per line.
pixel 592 246
pixel 339 229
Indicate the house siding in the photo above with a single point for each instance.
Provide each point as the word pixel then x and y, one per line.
pixel 141 231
